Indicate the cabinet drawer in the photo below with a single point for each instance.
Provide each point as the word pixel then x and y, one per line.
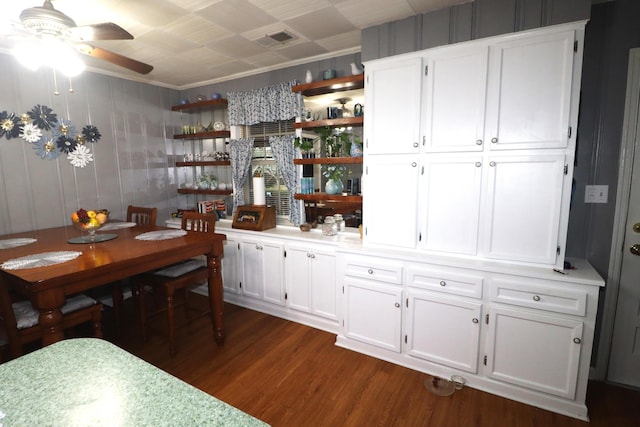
pixel 451 282
pixel 540 297
pixel 374 269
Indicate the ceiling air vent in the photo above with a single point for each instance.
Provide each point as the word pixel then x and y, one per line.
pixel 276 39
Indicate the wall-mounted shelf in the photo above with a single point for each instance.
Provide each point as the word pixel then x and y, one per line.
pixel 339 84
pixel 329 161
pixel 204 135
pixel 205 163
pixel 324 197
pixel 209 104
pixel 198 191
pixel 345 121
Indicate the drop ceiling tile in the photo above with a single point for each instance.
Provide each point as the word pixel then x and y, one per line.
pixel 258 33
pixel 267 59
pixel 367 13
pixel 193 5
pixel 236 15
pixel 320 24
pixel 170 42
pixel 304 50
pixel 235 46
pixel 196 29
pixel 343 41
pixel 287 9
pixel 229 69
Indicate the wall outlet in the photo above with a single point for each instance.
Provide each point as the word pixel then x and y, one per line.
pixel 596 193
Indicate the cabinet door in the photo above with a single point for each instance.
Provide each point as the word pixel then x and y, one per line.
pixel 389 187
pixel 529 96
pixel 524 198
pixel 454 99
pixel 252 274
pixel 392 98
pixel 323 283
pixel 297 274
pixel 450 204
pixel 231 265
pixel 373 313
pixel 443 330
pixel 534 351
pixel 273 272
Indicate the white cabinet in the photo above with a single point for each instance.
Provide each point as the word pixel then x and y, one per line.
pixel 311 279
pixel 263 269
pixel 393 87
pixel 443 329
pixel 530 91
pixel 450 197
pixel 231 272
pixel 523 204
pixel 536 351
pixel 454 99
pixel 390 209
pixel 373 302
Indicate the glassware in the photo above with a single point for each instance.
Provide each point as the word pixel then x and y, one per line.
pixel 329 227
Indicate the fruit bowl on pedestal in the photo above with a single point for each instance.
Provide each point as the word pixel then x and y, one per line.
pixel 90 221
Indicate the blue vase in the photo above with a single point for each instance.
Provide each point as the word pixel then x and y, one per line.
pixel 356 150
pixel 333 187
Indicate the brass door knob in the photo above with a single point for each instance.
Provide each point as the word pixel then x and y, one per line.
pixel 636 227
pixel 635 249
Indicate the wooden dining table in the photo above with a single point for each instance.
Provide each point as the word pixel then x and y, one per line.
pixel 104 262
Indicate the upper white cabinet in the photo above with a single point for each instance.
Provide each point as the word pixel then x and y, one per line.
pixel 454 99
pixel 495 156
pixel 529 96
pixel 393 125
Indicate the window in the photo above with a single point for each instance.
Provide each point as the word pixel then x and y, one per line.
pixel 277 193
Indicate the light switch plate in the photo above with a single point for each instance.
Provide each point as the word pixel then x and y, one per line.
pixel 596 193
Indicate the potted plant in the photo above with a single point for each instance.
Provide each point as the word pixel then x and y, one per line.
pixel 305 146
pixel 334 174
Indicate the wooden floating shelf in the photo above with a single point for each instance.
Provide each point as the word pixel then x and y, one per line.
pixel 205 163
pixel 345 121
pixel 329 161
pixel 324 197
pixel 201 105
pixel 204 135
pixel 339 84
pixel 197 191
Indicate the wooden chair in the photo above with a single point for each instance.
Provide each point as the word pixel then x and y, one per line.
pixel 181 276
pixel 20 319
pixel 141 216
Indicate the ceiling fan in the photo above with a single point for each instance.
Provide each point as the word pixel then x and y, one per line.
pixel 45 22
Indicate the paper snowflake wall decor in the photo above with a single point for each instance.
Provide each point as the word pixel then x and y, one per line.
pixel 61 135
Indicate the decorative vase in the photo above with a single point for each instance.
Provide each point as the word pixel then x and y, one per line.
pixel 308 78
pixel 333 187
pixel 356 150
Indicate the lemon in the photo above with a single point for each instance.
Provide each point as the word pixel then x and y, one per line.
pixel 91 214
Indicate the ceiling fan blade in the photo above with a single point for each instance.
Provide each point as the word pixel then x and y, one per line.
pixel 103 31
pixel 114 58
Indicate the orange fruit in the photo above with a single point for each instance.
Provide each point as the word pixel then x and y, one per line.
pixel 102 218
pixel 74 217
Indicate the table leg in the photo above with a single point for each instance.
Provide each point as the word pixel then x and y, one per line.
pixel 216 296
pixel 50 319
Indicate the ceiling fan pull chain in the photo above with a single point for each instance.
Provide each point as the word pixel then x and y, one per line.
pixel 55 83
pixel 70 86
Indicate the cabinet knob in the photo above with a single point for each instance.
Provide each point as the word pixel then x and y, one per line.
pixel 536 297
pixel 415 145
pixel 370 271
pixel 313 255
pixel 475 320
pixel 308 255
pixel 492 164
pixel 479 142
pixel 414 164
pixel 478 164
pixel 577 340
pixel 397 305
pixel 494 140
pixel 443 283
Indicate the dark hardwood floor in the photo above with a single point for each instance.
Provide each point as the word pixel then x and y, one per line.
pixel 288 374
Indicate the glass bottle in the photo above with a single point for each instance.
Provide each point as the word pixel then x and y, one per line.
pixel 339 222
pixel 329 227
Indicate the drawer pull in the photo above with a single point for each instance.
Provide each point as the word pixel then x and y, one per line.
pixel 536 297
pixel 370 271
pixel 475 320
pixel 577 340
pixel 397 305
pixel 443 283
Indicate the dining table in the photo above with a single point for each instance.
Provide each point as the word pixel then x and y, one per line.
pixel 80 265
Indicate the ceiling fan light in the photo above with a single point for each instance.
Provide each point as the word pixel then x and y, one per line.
pixel 29 55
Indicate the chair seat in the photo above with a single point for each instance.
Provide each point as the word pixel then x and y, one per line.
pixel 27 316
pixel 181 268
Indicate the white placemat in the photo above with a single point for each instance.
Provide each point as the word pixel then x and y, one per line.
pixel 161 235
pixel 14 243
pixel 117 226
pixel 40 260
